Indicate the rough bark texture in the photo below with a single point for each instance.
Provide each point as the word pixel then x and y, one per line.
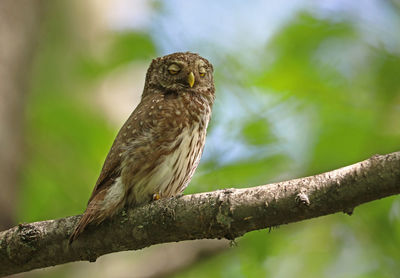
pixel 227 213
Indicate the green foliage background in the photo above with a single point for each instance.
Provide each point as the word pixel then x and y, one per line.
pixel 303 114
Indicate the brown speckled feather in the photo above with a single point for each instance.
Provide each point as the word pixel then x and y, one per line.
pixel 112 165
pixel 159 147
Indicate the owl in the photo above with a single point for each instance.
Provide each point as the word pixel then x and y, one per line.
pixel 159 147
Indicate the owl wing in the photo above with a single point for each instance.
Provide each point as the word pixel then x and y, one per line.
pixel 138 125
pixel 112 165
pixel 109 173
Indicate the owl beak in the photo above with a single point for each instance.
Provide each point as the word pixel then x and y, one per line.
pixel 191 79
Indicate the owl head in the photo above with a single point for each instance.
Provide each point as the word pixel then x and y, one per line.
pixel 180 72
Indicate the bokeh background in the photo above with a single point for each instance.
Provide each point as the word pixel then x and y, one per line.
pixel 303 87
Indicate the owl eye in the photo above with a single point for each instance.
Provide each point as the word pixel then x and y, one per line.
pixel 202 71
pixel 174 69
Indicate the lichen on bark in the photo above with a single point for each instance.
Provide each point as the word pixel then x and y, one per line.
pixel 225 213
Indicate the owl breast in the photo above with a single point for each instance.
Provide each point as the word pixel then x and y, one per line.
pixel 173 170
pixel 176 170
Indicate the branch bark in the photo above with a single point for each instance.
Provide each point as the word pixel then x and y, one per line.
pixel 227 213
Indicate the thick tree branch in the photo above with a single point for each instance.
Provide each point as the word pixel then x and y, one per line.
pixel 227 213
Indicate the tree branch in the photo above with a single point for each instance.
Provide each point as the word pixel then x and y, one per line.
pixel 227 213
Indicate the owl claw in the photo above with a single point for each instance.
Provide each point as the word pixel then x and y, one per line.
pixel 156 196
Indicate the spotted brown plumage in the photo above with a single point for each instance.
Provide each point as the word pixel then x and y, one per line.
pixel 159 147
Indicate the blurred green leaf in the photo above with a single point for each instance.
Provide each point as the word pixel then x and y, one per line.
pixel 256 132
pixel 240 174
pixel 125 47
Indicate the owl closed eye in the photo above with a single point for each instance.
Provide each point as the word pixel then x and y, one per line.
pixel 181 71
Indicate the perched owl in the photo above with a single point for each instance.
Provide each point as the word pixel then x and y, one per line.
pixel 159 147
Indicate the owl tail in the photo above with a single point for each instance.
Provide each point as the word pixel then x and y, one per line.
pixel 95 213
pixel 103 205
pixel 85 220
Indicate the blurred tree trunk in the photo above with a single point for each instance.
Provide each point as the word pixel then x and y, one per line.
pixel 18 26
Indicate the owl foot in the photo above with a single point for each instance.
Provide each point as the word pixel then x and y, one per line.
pixel 177 196
pixel 156 196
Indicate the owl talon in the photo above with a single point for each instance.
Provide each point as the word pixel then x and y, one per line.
pixel 156 196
